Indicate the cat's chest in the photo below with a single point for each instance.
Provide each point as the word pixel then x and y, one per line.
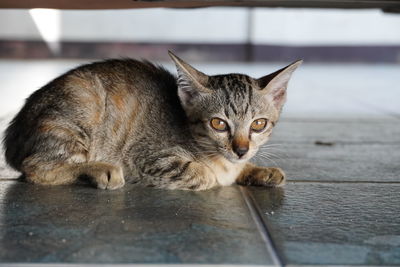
pixel 226 171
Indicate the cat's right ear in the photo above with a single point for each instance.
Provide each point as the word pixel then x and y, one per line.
pixel 274 85
pixel 191 82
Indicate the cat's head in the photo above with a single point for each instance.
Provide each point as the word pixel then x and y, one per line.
pixel 233 114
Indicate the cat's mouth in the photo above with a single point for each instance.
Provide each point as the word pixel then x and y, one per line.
pixel 236 159
pixel 232 156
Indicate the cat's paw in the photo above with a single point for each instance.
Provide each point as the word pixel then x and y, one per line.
pixel 107 176
pixel 266 177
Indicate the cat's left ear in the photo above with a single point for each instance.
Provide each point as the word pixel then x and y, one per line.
pixel 191 82
pixel 274 85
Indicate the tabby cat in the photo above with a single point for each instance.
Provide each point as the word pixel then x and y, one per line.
pixel 126 120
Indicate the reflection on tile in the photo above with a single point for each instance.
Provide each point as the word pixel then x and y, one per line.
pixel 338 224
pixel 133 225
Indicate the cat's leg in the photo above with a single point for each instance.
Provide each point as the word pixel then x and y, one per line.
pixel 261 176
pixel 177 172
pixel 101 174
pixel 193 176
pixel 58 151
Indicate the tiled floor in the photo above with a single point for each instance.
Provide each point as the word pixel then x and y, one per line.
pixel 340 206
pixel 333 223
pixel 133 225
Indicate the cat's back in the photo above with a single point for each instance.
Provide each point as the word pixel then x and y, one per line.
pixel 115 74
pixel 116 70
pixel 123 74
pixel 97 102
pixel 117 84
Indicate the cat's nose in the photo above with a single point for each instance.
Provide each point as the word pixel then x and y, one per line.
pixel 241 150
pixel 240 145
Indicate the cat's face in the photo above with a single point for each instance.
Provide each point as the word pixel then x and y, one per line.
pixel 231 115
pixel 234 119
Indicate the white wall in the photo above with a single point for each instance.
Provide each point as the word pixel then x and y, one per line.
pixel 17 24
pixel 152 25
pixel 319 27
pixel 211 25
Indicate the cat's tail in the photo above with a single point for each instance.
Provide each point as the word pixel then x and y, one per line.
pixel 20 136
pixel 12 141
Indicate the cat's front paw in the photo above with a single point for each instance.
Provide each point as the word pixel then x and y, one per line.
pixel 107 176
pixel 265 177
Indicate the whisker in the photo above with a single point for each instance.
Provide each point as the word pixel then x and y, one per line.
pixel 272 155
pixel 268 158
pixel 274 144
pixel 268 149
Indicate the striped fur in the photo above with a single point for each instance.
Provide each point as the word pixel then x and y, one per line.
pixel 126 120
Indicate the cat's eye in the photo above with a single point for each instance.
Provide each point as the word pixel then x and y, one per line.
pixel 258 125
pixel 219 125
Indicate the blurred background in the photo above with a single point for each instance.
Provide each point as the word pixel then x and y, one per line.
pixel 228 34
pixel 351 56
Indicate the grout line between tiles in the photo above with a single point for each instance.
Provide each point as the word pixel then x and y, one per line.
pixel 287 144
pixel 262 228
pixel 342 182
pixel 381 119
pixel 370 105
pixel 337 265
pixel 123 265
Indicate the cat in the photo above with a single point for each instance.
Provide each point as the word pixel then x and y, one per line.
pixel 124 119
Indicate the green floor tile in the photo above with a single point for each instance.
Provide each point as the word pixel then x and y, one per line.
pixel 339 131
pixel 351 150
pixel 77 224
pixel 333 224
pixel 341 162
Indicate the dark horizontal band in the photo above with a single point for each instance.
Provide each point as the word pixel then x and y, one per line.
pixel 17 49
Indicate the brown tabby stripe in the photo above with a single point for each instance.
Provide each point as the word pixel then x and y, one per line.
pixel 178 176
pixel 173 166
pixel 233 108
